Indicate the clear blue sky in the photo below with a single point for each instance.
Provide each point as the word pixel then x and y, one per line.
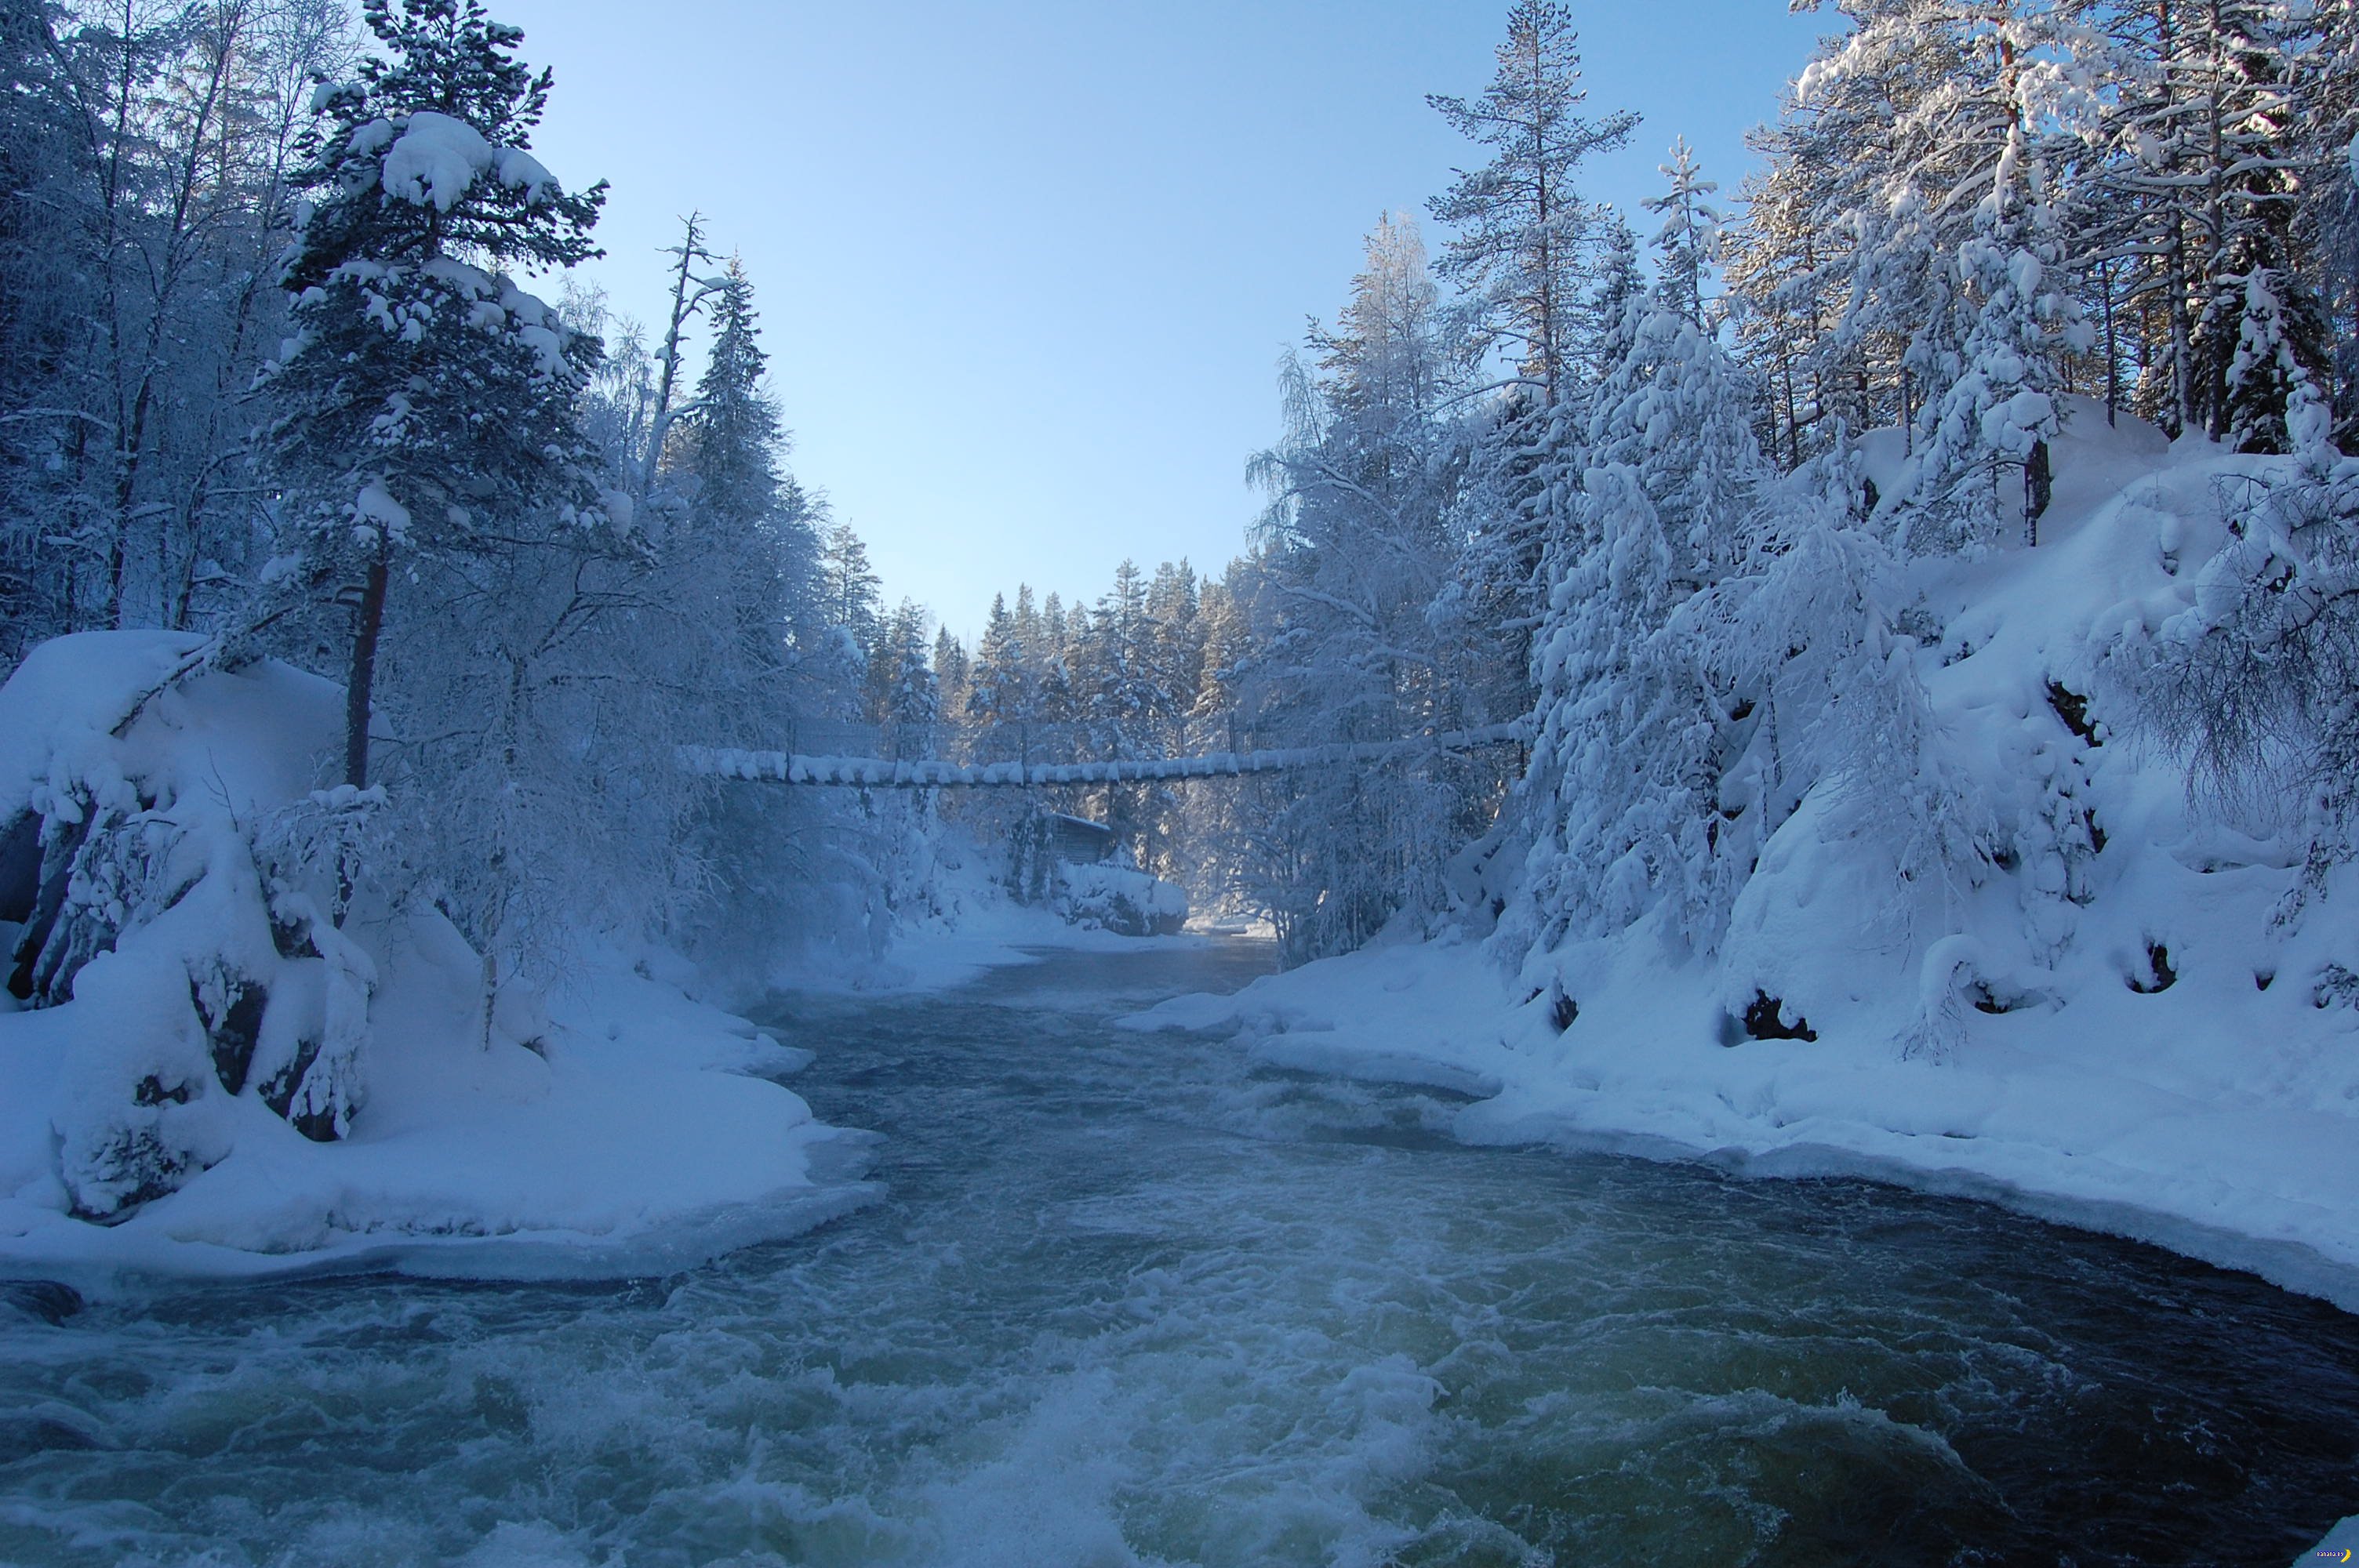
pixel 1026 270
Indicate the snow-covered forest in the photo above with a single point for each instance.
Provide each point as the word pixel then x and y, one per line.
pixel 1687 486
pixel 1848 667
pixel 1909 515
pixel 357 597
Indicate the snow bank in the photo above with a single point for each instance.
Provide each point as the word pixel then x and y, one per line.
pixel 636 1136
pixel 203 1074
pixel 1122 900
pixel 2341 1542
pixel 975 926
pixel 2115 1036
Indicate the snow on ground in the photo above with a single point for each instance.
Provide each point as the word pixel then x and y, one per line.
pixel 978 927
pixel 636 1139
pixel 2149 1057
pixel 2341 1544
pixel 625 1130
pixel 617 1127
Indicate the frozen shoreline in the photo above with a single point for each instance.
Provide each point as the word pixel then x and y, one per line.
pixel 644 1135
pixel 643 1131
pixel 2110 1018
pixel 1642 1072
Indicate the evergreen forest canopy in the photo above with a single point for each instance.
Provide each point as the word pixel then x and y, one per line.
pixel 1657 480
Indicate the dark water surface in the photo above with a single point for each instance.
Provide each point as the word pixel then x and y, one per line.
pixel 1130 1300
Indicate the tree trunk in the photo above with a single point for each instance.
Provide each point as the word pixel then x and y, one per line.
pixel 367 622
pixel 2039 489
pixel 2113 344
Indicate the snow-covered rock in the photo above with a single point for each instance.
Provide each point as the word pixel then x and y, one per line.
pixel 1120 900
pixel 203 1069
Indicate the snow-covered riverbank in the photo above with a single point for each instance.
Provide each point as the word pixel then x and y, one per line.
pixel 640 1134
pixel 2119 1123
pixel 226 1083
pixel 2123 1034
pixel 1130 1300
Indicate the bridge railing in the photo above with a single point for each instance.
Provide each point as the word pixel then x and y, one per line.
pixel 1028 768
pixel 1050 741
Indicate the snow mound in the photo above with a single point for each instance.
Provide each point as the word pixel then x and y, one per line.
pixel 216 1059
pixel 1120 899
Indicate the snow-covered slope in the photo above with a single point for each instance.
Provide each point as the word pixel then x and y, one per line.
pixel 175 1111
pixel 2118 1037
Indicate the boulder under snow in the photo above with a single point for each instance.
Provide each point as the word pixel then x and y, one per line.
pixel 224 1048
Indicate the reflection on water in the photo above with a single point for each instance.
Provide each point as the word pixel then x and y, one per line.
pixel 1132 1301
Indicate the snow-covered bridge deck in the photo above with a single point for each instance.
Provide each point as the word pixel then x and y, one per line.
pixel 794 768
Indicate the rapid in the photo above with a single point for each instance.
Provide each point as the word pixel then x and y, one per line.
pixel 1130 1299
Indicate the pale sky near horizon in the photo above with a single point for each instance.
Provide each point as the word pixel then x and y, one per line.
pixel 1026 270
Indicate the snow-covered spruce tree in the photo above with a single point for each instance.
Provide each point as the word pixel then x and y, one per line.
pixel 1123 706
pixel 913 705
pixel 424 402
pixel 1997 413
pixel 1609 796
pixel 1606 321
pixel 725 632
pixel 849 603
pixel 2259 679
pixel 1808 647
pixel 1922 143
pixel 1676 408
pixel 735 559
pixel 739 508
pixel 953 670
pixel 2257 324
pixel 1620 806
pixel 1175 656
pixel 1175 614
pixel 1361 646
pixel 1623 800
pixel 1688 246
pixel 2281 355
pixel 1011 685
pixel 1003 688
pixel 1520 252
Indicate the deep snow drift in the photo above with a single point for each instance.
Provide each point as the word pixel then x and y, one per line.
pixel 231 1082
pixel 2126 1043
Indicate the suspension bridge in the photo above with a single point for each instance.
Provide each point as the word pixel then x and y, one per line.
pixel 832 766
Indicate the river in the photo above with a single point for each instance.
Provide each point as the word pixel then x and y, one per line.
pixel 1128 1298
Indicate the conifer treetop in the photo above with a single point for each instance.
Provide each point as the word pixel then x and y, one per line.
pixel 426 152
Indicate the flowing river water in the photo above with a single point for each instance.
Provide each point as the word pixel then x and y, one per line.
pixel 1129 1299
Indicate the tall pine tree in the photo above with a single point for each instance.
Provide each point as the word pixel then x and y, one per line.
pixel 424 401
